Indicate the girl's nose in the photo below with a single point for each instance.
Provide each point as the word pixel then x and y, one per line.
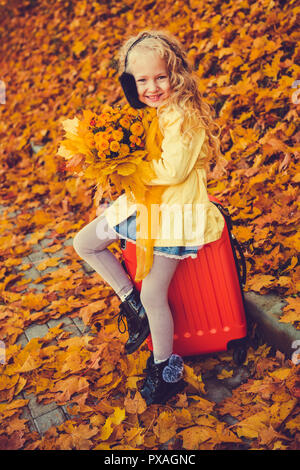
pixel 152 86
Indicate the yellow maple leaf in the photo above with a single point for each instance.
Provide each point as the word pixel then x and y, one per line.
pixel 194 436
pixel 279 411
pixel 243 234
pixel 293 425
pixel 34 301
pixel 118 415
pixel 40 217
pixel 135 436
pixel 106 430
pixel 253 425
pixel 165 427
pixel 193 379
pixel 203 404
pixel 78 47
pixel 6 408
pixel 67 387
pixel 49 262
pixel 135 404
pixel 115 419
pixel 291 312
pixel 281 373
pixel 293 262
pixel 260 281
pixel 225 374
pixel 7 382
pixel 132 382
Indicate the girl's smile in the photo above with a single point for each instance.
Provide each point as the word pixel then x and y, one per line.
pixel 151 77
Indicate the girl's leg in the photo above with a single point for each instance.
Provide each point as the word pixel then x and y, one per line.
pixel 91 243
pixel 154 297
pixel 164 375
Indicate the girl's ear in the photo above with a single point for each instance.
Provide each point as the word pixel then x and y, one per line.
pixel 129 87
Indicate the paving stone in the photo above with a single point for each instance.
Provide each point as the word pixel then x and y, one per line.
pixel 38 409
pixel 52 418
pixel 73 330
pixel 240 376
pixel 36 286
pixel 22 340
pixel 31 273
pixel 68 242
pixel 38 256
pixel 30 422
pixel 80 325
pixel 36 331
pixel 229 419
pixel 57 254
pixel 215 390
pixel 46 241
pixel 14 213
pixel 26 260
pixel 86 267
pixel 266 310
pixel 57 321
pixel 48 270
pixel 28 237
pixel 67 409
pixel 35 247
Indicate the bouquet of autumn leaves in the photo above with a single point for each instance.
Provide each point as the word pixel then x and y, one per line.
pixel 107 148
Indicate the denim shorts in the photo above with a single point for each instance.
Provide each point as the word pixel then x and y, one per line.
pixel 127 230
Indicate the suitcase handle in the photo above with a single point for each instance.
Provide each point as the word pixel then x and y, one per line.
pixel 237 246
pixel 242 270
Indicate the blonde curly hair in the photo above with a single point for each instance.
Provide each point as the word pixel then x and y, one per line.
pixel 184 85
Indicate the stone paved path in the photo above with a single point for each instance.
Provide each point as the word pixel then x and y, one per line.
pixel 41 417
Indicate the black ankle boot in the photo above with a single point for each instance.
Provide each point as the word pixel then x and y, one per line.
pixel 149 363
pixel 137 321
pixel 163 381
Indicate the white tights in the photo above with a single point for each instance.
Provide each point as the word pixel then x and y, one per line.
pixel 91 244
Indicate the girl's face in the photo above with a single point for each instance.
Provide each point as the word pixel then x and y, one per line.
pixel 151 77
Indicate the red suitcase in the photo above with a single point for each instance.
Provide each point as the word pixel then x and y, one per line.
pixel 206 296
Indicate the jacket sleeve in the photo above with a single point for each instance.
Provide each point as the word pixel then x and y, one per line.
pixel 179 152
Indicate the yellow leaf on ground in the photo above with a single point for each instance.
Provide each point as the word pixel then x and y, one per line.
pixel 194 436
pixel 135 404
pixel 49 262
pixel 259 281
pixel 225 374
pixel 165 427
pixel 252 426
pixel 193 379
pixel 281 373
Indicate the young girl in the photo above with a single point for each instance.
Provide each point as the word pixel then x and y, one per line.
pixel 156 74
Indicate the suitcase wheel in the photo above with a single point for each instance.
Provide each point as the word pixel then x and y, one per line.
pixel 239 355
pixel 239 348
